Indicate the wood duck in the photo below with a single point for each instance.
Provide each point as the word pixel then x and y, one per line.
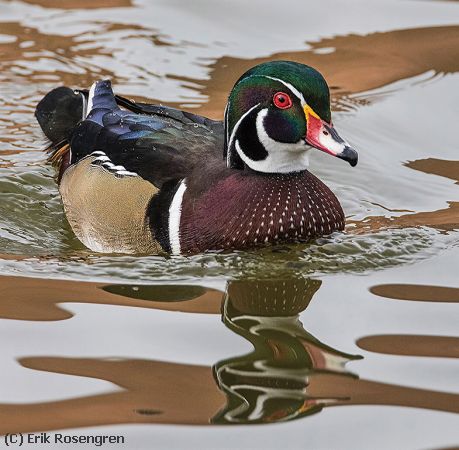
pixel 140 178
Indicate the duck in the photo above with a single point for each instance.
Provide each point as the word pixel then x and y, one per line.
pixel 144 178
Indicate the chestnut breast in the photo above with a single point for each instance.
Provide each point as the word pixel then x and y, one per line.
pixel 244 209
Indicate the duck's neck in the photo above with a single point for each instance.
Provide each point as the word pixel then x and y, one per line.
pixel 248 208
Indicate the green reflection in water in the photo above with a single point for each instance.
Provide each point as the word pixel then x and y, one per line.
pixel 161 293
pixel 270 384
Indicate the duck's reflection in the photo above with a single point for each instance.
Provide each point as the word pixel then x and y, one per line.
pixel 288 375
pixel 271 383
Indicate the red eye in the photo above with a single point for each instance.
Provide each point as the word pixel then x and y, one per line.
pixel 282 100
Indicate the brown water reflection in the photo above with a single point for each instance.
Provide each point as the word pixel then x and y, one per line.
pixel 444 219
pixel 172 393
pixel 435 166
pixel 412 345
pixel 288 375
pixel 33 48
pixel 80 4
pixel 39 299
pixel 447 448
pixel 358 63
pixel 417 292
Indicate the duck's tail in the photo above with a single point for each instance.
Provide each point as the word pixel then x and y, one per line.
pixel 60 111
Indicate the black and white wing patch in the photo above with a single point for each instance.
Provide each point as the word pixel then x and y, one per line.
pixel 101 159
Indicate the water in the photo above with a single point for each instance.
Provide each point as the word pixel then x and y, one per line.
pixel 145 346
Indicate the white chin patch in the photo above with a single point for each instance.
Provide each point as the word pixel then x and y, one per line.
pixel 282 157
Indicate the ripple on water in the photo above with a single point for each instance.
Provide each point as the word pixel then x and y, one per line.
pixel 340 253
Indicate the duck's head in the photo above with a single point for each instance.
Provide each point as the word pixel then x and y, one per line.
pixel 275 113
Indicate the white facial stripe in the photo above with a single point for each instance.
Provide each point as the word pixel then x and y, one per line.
pixel 226 121
pixel 282 157
pixel 85 105
pixel 293 89
pixel 233 134
pixel 289 86
pixel 175 213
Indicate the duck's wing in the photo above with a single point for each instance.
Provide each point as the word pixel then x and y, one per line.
pixel 168 112
pixel 155 142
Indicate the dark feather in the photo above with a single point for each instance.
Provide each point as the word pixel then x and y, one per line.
pixel 58 113
pixel 156 142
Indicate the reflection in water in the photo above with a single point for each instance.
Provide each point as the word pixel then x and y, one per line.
pixel 48 58
pixel 271 383
pixel 435 166
pixel 161 292
pixel 417 292
pixel 356 64
pixel 412 345
pixel 455 447
pixel 40 299
pixel 81 4
pixel 288 375
pixel 444 219
pixel 147 392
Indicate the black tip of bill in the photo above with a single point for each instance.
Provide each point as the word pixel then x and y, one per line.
pixel 349 155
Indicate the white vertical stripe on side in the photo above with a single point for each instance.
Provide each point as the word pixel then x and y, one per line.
pixel 85 106
pixel 90 97
pixel 175 213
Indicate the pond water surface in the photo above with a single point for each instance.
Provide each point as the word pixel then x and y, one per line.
pixel 350 342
